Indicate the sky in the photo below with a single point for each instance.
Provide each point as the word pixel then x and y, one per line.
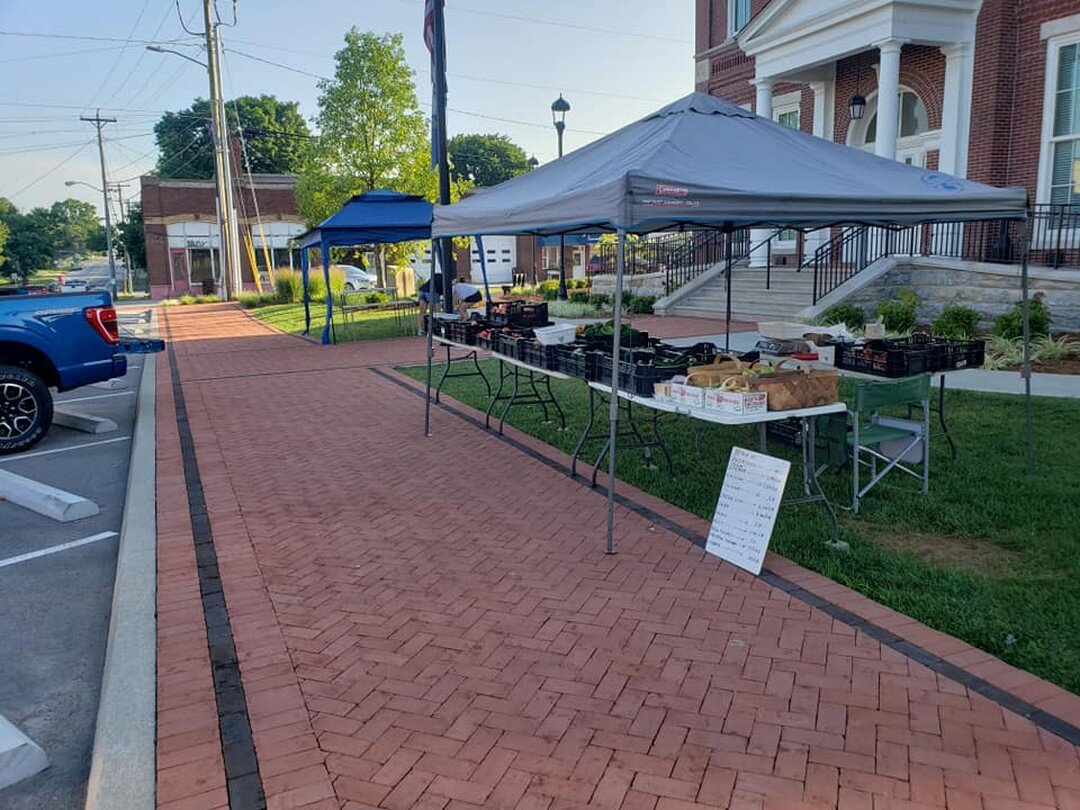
pixel 507 60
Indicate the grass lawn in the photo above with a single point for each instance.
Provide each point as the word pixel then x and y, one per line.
pixel 372 325
pixel 991 555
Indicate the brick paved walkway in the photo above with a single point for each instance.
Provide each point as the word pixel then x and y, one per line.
pixel 428 623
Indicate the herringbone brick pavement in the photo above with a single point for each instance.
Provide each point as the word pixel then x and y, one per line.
pixel 430 623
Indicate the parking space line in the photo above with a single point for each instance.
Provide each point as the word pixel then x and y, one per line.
pixel 19 456
pixel 54 549
pixel 96 396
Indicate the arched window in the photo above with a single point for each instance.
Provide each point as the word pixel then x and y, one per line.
pixel 913 119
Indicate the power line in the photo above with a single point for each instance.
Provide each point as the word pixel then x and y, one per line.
pixel 127 43
pixel 563 25
pixel 46 35
pixel 142 51
pixel 60 54
pixel 55 168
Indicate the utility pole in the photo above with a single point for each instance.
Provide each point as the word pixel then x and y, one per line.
pixel 228 235
pixel 439 112
pixel 128 278
pixel 100 123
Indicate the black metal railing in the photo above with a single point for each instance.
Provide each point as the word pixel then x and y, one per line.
pixel 1055 242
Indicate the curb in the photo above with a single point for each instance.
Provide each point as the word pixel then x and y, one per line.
pixel 122 768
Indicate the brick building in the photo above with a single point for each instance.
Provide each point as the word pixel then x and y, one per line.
pixel 181 229
pixel 986 89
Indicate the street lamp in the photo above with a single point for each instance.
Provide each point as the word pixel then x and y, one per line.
pixel 159 49
pixel 559 108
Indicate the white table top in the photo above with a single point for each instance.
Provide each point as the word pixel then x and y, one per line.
pixel 555 375
pixel 722 418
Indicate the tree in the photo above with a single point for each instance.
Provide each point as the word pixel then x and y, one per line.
pixel 372 133
pixel 131 236
pixel 275 137
pixel 29 244
pixel 74 227
pixel 4 231
pixel 487 160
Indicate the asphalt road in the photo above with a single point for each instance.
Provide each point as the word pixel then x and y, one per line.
pixel 54 615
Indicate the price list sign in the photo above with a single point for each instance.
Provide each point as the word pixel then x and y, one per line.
pixel 746 512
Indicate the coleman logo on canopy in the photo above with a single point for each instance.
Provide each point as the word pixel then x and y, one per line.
pixel 664 190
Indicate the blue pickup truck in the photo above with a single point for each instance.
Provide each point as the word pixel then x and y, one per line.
pixel 51 341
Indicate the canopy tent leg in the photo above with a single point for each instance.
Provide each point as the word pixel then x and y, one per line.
pixel 329 296
pixel 483 272
pixel 727 288
pixel 1029 424
pixel 613 410
pixel 433 303
pixel 304 276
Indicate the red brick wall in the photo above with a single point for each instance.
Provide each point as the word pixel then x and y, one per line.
pixel 1007 96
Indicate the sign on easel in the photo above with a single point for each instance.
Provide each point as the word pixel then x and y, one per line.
pixel 746 511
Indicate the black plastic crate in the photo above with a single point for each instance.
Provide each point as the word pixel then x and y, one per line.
pixel 484 342
pixel 518 313
pixel 944 354
pixel 637 378
pixel 463 332
pixel 883 360
pixel 505 343
pixel 576 360
pixel 539 355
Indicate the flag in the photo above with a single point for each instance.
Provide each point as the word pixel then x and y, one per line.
pixel 438 80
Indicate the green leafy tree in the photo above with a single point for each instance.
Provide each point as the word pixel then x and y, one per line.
pixel 131 237
pixel 74 227
pixel 486 160
pixel 29 244
pixel 275 137
pixel 372 133
pixel 4 231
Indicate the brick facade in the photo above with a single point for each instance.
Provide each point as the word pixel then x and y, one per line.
pixel 174 201
pixel 1007 94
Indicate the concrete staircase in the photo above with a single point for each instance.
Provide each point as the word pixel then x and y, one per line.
pixel 789 293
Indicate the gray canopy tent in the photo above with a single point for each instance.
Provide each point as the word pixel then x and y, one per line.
pixel 704 162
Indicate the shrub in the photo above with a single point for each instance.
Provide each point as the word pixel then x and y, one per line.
pixel 375 297
pixel 1011 324
pixel 208 287
pixel 337 281
pixel 898 314
pixel 579 296
pixel 569 309
pixel 206 299
pixel 1001 352
pixel 578 283
pixel 957 322
pixel 1045 348
pixel 549 289
pixel 250 300
pixel 187 299
pixel 639 304
pixel 599 301
pixel 289 286
pixel 848 314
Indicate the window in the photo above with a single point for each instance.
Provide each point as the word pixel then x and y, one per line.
pixel 913 118
pixel 1065 135
pixel 789 118
pixel 738 16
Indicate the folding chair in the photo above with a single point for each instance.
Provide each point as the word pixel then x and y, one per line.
pixel 897 443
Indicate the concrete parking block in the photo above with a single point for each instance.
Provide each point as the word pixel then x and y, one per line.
pixel 83 421
pixel 20 756
pixel 43 499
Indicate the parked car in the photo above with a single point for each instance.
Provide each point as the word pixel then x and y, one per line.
pixel 61 341
pixel 357 278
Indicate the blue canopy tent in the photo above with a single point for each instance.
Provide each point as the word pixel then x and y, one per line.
pixel 374 217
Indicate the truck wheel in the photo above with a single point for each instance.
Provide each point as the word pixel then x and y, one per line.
pixel 26 409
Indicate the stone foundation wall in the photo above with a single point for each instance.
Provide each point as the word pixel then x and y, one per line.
pixel 989 289
pixel 641 284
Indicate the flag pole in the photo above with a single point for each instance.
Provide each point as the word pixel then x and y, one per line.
pixel 438 135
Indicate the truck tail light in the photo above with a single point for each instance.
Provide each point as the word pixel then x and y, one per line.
pixel 103 319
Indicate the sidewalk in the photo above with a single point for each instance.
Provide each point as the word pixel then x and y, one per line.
pixel 393 649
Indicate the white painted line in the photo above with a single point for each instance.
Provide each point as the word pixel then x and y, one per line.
pixel 18 456
pixel 45 500
pixel 33 555
pixel 96 396
pixel 74 420
pixel 114 383
pixel 20 757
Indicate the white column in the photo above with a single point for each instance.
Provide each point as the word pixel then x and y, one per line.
pixel 888 111
pixel 762 107
pixel 824 119
pixel 956 108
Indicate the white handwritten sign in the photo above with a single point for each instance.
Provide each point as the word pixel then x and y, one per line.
pixel 746 512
